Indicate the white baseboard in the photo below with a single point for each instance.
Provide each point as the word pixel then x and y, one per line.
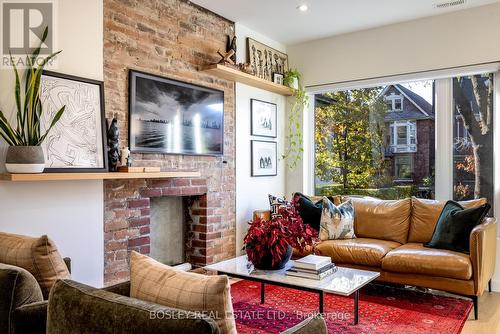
pixel 495 286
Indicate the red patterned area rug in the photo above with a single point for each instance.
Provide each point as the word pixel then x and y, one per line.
pixel 382 309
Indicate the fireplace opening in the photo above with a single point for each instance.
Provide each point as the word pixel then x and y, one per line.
pixel 168 230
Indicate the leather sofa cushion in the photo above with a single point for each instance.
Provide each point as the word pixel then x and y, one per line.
pixel 414 258
pixel 359 251
pixel 425 214
pixel 39 256
pixel 382 219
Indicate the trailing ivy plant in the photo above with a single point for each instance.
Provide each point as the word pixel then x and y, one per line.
pixel 294 140
pixel 28 104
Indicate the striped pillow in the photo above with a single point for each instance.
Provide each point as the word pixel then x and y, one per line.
pixel 39 256
pixel 158 283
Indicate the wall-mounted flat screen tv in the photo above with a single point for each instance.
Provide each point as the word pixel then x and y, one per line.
pixel 174 117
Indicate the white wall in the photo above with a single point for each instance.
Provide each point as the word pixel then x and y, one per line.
pixel 457 39
pixel 71 213
pixel 251 192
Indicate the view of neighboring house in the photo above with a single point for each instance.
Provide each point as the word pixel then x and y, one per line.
pixel 410 134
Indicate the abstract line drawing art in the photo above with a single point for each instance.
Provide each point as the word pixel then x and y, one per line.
pixel 76 142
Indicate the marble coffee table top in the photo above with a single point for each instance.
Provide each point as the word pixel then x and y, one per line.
pixel 344 281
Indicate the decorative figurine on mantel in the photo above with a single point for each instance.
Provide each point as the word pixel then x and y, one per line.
pixel 125 157
pixel 113 141
pixel 226 57
pixel 231 45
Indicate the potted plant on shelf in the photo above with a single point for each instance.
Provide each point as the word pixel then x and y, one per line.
pixel 25 155
pixel 269 243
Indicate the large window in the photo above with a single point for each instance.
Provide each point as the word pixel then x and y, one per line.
pixel 381 141
pixel 366 141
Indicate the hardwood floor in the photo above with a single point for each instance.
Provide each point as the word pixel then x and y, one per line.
pixel 489 316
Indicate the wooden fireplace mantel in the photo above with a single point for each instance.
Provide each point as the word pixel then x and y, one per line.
pixel 94 176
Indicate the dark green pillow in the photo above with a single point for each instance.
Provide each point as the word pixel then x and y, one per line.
pixel 309 211
pixel 454 226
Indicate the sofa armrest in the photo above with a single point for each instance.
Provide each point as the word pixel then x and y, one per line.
pixel 79 308
pixel 31 318
pixel 312 325
pixel 122 289
pixel 483 253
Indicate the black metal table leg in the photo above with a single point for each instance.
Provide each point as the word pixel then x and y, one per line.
pixel 356 308
pixel 321 299
pixel 262 293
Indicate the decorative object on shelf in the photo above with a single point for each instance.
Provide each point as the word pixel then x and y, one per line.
pixel 264 158
pixel 246 68
pixel 294 141
pixel 25 154
pixel 231 46
pixel 291 79
pixel 174 117
pixel 128 169
pixel 269 243
pixel 113 143
pixel 266 60
pixel 78 142
pixel 226 57
pixel 125 157
pixel 263 115
pixel 278 78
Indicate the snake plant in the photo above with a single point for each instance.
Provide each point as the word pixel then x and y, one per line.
pixel 27 131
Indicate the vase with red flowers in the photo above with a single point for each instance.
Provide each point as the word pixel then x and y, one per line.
pixel 269 243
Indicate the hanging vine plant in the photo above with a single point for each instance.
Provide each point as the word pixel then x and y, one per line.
pixel 295 140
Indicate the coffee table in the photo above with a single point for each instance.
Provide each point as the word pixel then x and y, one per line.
pixel 344 282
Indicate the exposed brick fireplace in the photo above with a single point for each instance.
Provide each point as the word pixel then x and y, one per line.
pixel 170 38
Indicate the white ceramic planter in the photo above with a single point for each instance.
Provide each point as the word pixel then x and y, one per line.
pixel 25 159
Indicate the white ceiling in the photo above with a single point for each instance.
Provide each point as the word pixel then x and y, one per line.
pixel 281 21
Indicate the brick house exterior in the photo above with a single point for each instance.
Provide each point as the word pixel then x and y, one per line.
pixel 410 135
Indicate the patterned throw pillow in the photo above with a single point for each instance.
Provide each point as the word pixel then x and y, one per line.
pixel 39 256
pixel 276 203
pixel 161 284
pixel 337 222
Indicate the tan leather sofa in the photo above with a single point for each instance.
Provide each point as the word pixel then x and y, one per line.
pixel 389 239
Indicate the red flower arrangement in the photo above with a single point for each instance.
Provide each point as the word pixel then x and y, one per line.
pixel 272 240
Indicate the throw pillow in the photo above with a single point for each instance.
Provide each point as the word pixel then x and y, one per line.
pixel 158 283
pixel 276 203
pixel 310 208
pixel 454 226
pixel 39 256
pixel 337 222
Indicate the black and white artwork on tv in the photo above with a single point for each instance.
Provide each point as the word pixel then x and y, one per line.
pixel 173 117
pixel 263 118
pixel 77 142
pixel 264 158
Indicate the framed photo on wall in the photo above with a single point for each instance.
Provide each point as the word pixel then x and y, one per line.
pixel 264 60
pixel 77 143
pixel 263 118
pixel 174 117
pixel 264 158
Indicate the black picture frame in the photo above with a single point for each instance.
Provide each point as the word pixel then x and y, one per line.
pixel 274 160
pixel 256 127
pixel 101 127
pixel 133 75
pixel 278 78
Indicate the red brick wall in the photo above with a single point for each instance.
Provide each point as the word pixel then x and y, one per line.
pixel 170 38
pixel 423 160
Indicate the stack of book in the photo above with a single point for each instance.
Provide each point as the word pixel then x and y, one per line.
pixel 312 266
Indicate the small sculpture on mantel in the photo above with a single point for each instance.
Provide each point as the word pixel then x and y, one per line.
pixel 125 157
pixel 246 68
pixel 231 45
pixel 113 135
pixel 226 57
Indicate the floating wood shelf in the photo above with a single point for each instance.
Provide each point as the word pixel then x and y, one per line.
pixel 93 176
pixel 232 74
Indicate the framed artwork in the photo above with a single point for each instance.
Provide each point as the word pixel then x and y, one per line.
pixel 263 118
pixel 265 60
pixel 264 158
pixel 77 143
pixel 278 78
pixel 173 117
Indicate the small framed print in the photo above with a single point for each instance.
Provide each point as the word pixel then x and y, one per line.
pixel 278 78
pixel 263 118
pixel 264 158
